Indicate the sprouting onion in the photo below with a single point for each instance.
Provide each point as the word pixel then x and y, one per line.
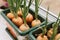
pixel 11 6
pixel 42 36
pixel 29 4
pixel 55 28
pixel 36 7
pixel 14 6
pixel 26 10
pixel 36 21
pixel 44 28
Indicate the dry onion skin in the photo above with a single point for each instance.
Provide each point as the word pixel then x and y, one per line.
pixel 18 21
pixel 57 37
pixel 29 18
pixel 50 32
pixel 42 38
pixel 35 22
pixel 24 27
pixel 10 15
pixel 19 13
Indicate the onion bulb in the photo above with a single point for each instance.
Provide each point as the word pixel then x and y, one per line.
pixel 29 18
pixel 35 22
pixel 24 27
pixel 17 21
pixel 42 38
pixel 10 15
pixel 20 13
pixel 50 32
pixel 57 37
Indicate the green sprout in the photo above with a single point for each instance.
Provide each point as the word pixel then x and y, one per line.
pixel 14 6
pixel 36 7
pixel 55 28
pixel 26 10
pixel 30 2
pixel 44 30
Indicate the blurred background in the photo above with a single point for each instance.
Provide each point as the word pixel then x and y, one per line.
pixel 54 5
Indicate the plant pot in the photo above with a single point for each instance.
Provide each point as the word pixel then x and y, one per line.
pixel 16 28
pixel 34 34
pixel 8 31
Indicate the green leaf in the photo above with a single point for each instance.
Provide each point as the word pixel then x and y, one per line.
pixel 55 28
pixel 14 6
pixel 30 2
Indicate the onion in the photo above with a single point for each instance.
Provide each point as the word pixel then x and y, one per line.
pixel 29 18
pixel 18 21
pixel 10 15
pixel 50 32
pixel 57 37
pixel 42 38
pixel 35 22
pixel 20 13
pixel 24 27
